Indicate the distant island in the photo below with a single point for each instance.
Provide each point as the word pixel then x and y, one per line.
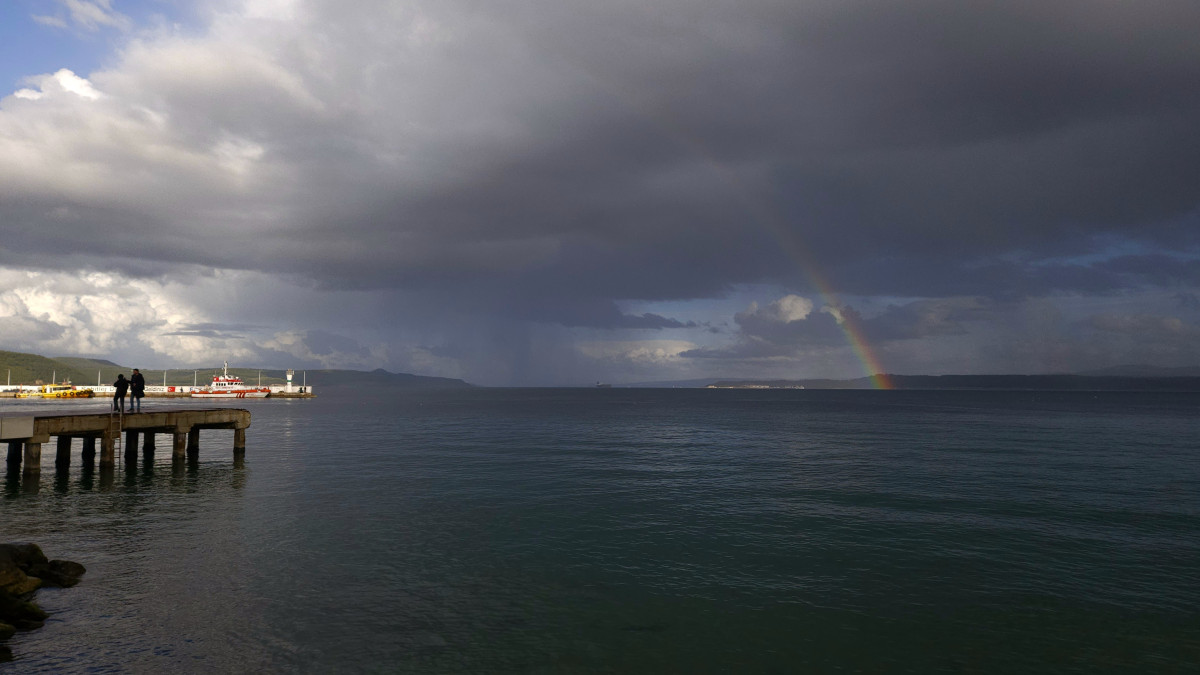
pixel 1122 379
pixel 22 368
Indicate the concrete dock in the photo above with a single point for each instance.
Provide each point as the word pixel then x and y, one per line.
pixel 25 434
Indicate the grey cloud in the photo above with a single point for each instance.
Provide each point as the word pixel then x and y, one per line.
pixel 27 332
pixel 876 131
pixel 1142 325
pixel 1153 338
pixel 323 343
pixel 1188 300
pixel 578 312
pixel 773 331
pixel 928 318
pixel 765 333
pixel 212 334
pixel 216 331
pixel 543 162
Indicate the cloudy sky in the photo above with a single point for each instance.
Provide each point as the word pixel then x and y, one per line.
pixel 555 192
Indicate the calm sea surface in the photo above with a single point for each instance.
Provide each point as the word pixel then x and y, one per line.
pixel 634 531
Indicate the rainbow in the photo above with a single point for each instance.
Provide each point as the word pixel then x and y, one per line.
pixel 848 322
pixel 852 329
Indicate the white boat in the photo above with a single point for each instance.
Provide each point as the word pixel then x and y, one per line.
pixel 229 386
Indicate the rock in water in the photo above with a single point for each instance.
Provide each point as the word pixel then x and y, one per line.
pixel 14 562
pixel 61 573
pixel 24 569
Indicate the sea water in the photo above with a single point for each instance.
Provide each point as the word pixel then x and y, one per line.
pixel 633 531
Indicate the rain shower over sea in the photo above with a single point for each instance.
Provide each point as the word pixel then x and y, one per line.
pixel 636 531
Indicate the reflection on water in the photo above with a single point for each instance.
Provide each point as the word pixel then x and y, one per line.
pixel 134 471
pixel 141 532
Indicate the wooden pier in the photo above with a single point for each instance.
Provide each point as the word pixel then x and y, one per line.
pixel 26 434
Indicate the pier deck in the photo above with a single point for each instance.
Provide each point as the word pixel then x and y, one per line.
pixel 25 434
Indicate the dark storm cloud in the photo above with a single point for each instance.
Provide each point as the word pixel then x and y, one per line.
pixel 1188 300
pixel 544 161
pixel 1156 338
pixel 927 318
pixel 769 332
pixel 879 134
pixel 786 330
pixel 322 343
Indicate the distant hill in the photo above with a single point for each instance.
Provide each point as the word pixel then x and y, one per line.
pixel 859 383
pixel 1144 371
pixel 93 371
pixel 381 378
pixel 1064 382
pixel 1055 382
pixel 665 384
pixel 21 368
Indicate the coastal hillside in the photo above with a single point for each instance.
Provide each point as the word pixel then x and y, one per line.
pixel 22 368
pixel 381 378
pixel 1064 382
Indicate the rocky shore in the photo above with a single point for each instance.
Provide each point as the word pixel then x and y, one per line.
pixel 23 570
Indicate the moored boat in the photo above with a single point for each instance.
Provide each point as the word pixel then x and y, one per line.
pixel 229 386
pixel 64 390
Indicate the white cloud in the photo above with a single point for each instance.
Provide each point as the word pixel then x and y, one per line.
pixel 79 86
pixel 787 309
pixel 52 21
pixel 62 81
pixel 93 14
pixel 643 352
pixel 111 315
pixel 270 9
pixel 190 317
pixel 835 312
pixel 792 308
pixel 238 155
pixel 85 313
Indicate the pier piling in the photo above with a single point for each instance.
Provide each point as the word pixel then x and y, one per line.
pixel 25 435
pixel 33 458
pixel 108 450
pixel 89 451
pixel 62 456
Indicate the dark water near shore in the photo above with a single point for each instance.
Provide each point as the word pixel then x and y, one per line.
pixel 626 531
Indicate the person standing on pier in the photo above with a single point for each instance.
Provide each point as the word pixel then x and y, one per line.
pixel 137 389
pixel 122 386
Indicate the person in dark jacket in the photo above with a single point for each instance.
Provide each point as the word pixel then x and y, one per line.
pixel 137 389
pixel 122 386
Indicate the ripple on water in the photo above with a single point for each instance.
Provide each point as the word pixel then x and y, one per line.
pixel 637 531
